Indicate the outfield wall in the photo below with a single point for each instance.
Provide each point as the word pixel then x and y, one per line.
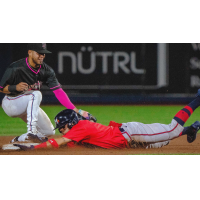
pixel 118 73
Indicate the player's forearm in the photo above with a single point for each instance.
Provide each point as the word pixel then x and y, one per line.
pixel 15 88
pixel 65 101
pixel 53 143
pixel 5 90
pixel 63 98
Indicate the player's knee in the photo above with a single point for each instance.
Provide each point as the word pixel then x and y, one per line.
pixel 38 95
pixel 53 131
pixel 49 133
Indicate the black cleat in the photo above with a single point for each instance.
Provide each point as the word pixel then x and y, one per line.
pixel 36 139
pixel 191 136
pixel 14 140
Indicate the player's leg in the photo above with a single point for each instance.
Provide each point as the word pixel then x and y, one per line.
pixel 143 145
pixel 27 104
pixel 44 124
pixel 33 107
pixel 14 107
pixel 157 145
pixel 183 115
pixel 153 133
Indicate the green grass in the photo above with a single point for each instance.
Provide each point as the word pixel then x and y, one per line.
pixel 144 114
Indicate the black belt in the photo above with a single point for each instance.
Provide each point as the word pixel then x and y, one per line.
pixel 121 129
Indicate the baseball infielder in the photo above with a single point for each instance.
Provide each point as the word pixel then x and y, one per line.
pixel 22 82
pixel 123 135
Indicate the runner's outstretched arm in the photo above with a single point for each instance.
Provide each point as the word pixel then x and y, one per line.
pixel 52 143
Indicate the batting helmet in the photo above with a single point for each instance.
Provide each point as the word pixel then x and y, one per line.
pixel 68 117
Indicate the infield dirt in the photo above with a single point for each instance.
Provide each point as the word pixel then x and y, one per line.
pixel 177 146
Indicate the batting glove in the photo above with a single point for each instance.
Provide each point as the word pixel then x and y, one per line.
pixel 23 147
pixel 90 117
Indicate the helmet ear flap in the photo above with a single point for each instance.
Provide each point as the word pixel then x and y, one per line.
pixel 70 125
pixel 68 117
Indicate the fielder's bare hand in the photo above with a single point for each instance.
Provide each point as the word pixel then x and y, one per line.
pixel 21 87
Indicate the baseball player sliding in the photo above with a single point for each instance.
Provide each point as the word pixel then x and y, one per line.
pixel 123 135
pixel 22 82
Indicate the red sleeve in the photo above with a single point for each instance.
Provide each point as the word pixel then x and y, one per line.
pixel 71 144
pixel 114 124
pixel 78 132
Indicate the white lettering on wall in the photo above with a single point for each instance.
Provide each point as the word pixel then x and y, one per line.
pixel 121 61
pixel 61 55
pixel 194 81
pixel 104 56
pixel 133 65
pixel 194 63
pixel 196 46
pixel 121 64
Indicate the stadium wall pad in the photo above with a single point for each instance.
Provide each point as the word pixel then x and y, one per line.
pixel 119 99
pixel 122 99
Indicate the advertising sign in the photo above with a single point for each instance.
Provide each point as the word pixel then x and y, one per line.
pixel 110 66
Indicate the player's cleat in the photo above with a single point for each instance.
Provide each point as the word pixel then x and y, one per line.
pixel 157 145
pixel 14 140
pixel 191 136
pixel 36 139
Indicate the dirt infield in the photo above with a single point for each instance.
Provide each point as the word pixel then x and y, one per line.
pixel 177 146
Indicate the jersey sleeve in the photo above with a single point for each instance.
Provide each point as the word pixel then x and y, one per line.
pixel 8 78
pixel 52 81
pixel 77 133
pixel 114 124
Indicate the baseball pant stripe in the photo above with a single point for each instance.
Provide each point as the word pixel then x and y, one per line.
pixel 32 112
pixel 180 133
pixel 127 135
pixel 156 133
pixel 31 106
pixel 18 97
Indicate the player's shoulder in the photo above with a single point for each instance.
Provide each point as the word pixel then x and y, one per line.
pixel 17 64
pixel 47 67
pixel 85 123
pixel 82 122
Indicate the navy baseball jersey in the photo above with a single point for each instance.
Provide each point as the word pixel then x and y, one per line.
pixel 21 71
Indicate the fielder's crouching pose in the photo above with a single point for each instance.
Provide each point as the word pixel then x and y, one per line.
pixel 121 135
pixel 21 83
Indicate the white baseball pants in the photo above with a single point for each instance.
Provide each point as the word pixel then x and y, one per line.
pixel 26 107
pixel 151 133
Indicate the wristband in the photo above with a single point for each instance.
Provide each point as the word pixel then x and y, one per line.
pixel 80 112
pixel 53 143
pixel 12 88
